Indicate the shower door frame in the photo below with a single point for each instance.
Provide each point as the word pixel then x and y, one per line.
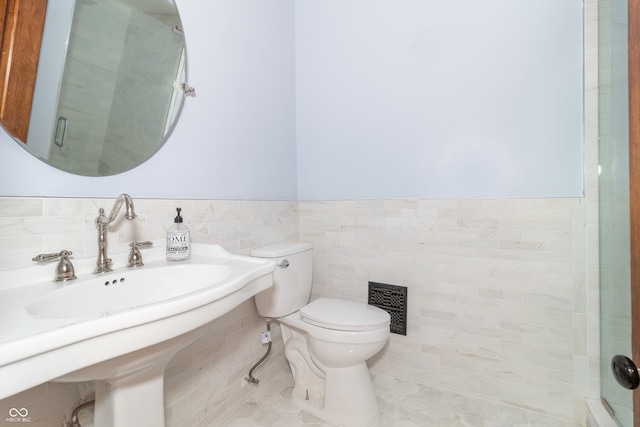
pixel 634 187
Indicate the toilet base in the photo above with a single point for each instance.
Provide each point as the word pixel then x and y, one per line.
pixel 348 399
pixel 331 377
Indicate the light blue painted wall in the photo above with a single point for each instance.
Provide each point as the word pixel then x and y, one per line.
pixel 433 99
pixel 234 140
pixel 338 99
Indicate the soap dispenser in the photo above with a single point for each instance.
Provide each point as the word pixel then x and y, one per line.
pixel 178 240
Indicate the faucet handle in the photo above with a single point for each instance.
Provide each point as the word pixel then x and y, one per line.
pixel 64 269
pixel 135 257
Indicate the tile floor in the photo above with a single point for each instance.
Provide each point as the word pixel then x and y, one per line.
pixel 403 404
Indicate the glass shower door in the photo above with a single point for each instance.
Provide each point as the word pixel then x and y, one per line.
pixel 615 270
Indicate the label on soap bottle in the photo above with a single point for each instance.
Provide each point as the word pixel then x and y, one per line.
pixel 178 247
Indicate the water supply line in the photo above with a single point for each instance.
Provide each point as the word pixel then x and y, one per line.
pixel 75 422
pixel 266 337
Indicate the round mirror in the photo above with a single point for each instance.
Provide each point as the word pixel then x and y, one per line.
pixel 91 87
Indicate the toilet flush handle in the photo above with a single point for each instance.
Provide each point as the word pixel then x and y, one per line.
pixel 283 264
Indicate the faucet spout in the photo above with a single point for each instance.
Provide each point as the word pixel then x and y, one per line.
pixel 130 214
pixel 103 263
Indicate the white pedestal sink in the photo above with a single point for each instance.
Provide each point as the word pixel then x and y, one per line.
pixel 120 328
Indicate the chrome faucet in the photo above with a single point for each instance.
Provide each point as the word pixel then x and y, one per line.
pixel 103 264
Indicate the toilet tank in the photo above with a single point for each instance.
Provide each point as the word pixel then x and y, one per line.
pixel 292 279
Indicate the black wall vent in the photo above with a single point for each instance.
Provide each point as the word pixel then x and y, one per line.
pixel 392 299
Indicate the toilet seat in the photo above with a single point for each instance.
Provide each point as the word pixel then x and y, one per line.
pixel 344 315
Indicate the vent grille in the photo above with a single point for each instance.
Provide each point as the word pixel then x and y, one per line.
pixel 393 300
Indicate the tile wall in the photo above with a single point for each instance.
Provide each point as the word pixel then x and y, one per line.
pixel 497 299
pixel 497 290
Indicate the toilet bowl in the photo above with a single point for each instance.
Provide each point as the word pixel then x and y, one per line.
pixel 326 342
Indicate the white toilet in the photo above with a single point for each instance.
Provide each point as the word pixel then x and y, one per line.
pixel 327 342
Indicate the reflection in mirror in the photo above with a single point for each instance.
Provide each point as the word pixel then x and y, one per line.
pixel 108 87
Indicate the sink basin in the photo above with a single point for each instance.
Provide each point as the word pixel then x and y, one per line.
pixel 119 329
pixel 110 293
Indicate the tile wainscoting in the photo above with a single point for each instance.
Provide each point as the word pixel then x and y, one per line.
pixel 497 292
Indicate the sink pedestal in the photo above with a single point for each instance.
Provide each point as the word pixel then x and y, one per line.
pixel 136 399
pixel 130 388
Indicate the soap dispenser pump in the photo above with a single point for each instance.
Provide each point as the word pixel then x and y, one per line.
pixel 178 240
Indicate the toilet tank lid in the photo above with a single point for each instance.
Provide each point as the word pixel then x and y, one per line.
pixel 344 315
pixel 277 250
